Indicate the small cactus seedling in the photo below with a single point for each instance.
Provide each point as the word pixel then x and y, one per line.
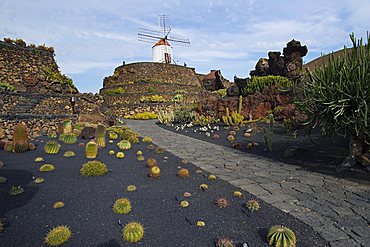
pixel 120 155
pixel 212 177
pixel 140 158
pixel 20 138
pixel 69 154
pixel 139 153
pixel 183 173
pixel 59 204
pixel 113 135
pixel 203 187
pixel 133 232
pixel 151 162
pixel 47 168
pixel 230 138
pixel 39 159
pixel 100 136
pixel 124 145
pixel 150 147
pixel 155 172
pixel 16 190
pixel 111 152
pixel 253 205
pixel 122 206
pixel 58 235
pixel 201 223
pixel 38 180
pixel 146 139
pixel 131 188
pixel 93 169
pixel 222 202
pixel 52 147
pixel 281 236
pixel 224 242
pixel 184 204
pixel 237 194
pixel 91 150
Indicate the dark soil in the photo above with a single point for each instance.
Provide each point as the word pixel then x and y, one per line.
pixel 313 153
pixel 88 203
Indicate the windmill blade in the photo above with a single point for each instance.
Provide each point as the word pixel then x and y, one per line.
pixel 149 32
pixel 181 42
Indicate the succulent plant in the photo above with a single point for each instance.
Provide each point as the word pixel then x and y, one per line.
pixel 131 188
pixel 69 154
pixel 47 168
pixel 155 172
pixel 113 135
pixel 31 146
pixel 16 190
pixel 2 225
pixel 237 193
pixel 100 136
pixel 186 194
pixel 230 138
pixel 151 162
pixel 59 204
pixel 110 141
pixel 203 186
pixel 67 127
pixel 184 204
pixel 232 132
pixel 91 150
pixel 212 177
pixel 58 235
pixel 146 139
pixel 111 152
pixel 120 155
pixel 253 205
pixel 122 206
pixel 3 180
pixel 160 150
pixel 139 152
pixel 69 138
pixel 150 147
pixel 39 159
pixel 224 242
pixel 93 169
pixel 38 180
pixel 200 223
pixel 281 236
pixel 140 158
pixel 52 147
pixel 133 232
pixel 124 145
pixel 222 202
pixel 20 138
pixel 9 146
pixel 184 162
pixel 183 173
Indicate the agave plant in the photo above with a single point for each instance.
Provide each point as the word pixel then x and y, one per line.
pixel 336 98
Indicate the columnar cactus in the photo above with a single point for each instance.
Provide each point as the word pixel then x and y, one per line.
pixel 91 150
pixel 100 136
pixel 67 126
pixel 20 138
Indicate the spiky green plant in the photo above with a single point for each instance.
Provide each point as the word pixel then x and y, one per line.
pixel 146 139
pixel 131 188
pixel 100 136
pixel 38 180
pixel 20 138
pixel 281 236
pixel 183 173
pixel 336 97
pixel 93 169
pixel 16 190
pixel 69 154
pixel 52 147
pixel 67 126
pixel 122 206
pixel 91 150
pixel 133 232
pixel 47 168
pixel 124 145
pixel 113 135
pixel 268 133
pixel 253 205
pixel 9 146
pixel 58 204
pixel 69 138
pixel 58 235
pixel 222 202
pixel 224 242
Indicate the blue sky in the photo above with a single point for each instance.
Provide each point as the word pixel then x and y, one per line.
pixel 93 37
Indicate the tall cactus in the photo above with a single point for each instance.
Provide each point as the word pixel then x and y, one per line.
pixel 20 138
pixel 67 126
pixel 100 136
pixel 235 118
pixel 91 150
pixel 268 133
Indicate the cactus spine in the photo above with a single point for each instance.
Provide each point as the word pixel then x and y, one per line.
pixel 100 136
pixel 91 150
pixel 268 133
pixel 20 138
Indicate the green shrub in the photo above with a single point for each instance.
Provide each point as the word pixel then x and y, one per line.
pixel 53 74
pixel 6 86
pixel 258 83
pixel 116 91
pixel 142 116
pixel 152 99
pixel 336 96
pixel 222 92
pixel 93 169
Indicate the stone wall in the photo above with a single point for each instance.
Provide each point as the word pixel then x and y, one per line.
pixel 25 67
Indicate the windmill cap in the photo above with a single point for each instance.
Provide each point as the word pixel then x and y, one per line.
pixel 162 42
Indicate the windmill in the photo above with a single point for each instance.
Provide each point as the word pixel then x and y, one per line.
pixel 162 50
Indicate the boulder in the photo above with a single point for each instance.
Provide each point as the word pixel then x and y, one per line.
pixel 262 68
pixel 233 91
pixel 88 133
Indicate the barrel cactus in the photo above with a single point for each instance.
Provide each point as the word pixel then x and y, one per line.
pixel 154 172
pixel 124 145
pixel 133 232
pixel 58 235
pixel 67 126
pixel 20 138
pixel 69 138
pixel 100 136
pixel 91 150
pixel 281 236
pixel 122 206
pixel 52 147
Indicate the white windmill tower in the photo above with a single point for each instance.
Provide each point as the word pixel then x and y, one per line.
pixel 161 50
